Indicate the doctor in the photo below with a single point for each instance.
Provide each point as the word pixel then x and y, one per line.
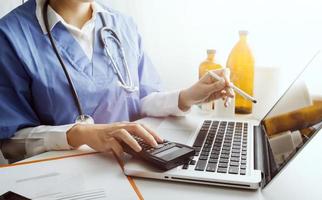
pixel 59 72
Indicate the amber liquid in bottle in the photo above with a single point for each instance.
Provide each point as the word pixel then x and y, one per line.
pixel 241 64
pixel 205 66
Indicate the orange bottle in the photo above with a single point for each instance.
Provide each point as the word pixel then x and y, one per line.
pixel 205 66
pixel 241 64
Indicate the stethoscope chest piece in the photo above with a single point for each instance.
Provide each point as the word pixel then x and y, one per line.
pixel 84 119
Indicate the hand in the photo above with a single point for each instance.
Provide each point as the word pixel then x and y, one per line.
pixel 207 89
pixel 107 137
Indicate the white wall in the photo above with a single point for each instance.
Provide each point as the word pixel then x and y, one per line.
pixel 7 5
pixel 283 33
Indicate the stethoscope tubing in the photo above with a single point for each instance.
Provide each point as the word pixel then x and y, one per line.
pixel 114 37
pixel 70 82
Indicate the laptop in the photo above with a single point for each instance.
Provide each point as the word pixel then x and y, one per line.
pixel 248 154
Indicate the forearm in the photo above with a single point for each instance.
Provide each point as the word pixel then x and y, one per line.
pixel 162 104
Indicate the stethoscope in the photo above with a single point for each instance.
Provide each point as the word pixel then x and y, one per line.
pixel 112 35
pixel 83 118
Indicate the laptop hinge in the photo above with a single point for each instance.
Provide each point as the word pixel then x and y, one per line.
pixel 260 153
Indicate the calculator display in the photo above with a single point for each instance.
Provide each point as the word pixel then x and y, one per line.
pixel 166 152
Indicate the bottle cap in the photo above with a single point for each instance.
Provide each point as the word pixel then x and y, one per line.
pixel 243 32
pixel 211 51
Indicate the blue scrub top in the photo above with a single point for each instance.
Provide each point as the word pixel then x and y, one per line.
pixel 33 87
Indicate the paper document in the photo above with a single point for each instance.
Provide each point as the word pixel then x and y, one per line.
pixel 94 176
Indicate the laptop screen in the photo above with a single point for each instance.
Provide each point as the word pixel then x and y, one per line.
pixel 297 115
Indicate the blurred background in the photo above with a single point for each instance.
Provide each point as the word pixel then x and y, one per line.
pixel 176 33
pixel 282 33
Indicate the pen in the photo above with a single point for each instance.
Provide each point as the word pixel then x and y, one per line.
pixel 235 88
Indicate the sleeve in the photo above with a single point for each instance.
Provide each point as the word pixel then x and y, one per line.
pixel 49 138
pixel 149 79
pixel 162 104
pixel 16 111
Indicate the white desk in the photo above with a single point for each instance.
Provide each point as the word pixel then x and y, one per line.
pixel 300 179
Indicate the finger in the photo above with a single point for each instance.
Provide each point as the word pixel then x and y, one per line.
pixel 226 102
pixel 153 133
pixel 207 78
pixel 223 95
pixel 230 92
pixel 229 95
pixel 216 86
pixel 219 72
pixel 138 130
pixel 116 148
pixel 216 96
pixel 225 74
pixel 126 137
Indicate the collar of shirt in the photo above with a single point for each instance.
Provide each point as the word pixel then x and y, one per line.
pixel 54 18
pixel 84 36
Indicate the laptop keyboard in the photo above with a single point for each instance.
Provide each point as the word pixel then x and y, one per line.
pixel 221 147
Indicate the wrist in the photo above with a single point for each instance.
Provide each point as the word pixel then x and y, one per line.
pixel 184 102
pixel 75 136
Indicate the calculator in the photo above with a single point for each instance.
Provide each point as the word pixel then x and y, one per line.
pixel 165 156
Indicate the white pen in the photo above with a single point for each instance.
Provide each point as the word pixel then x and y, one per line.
pixel 235 88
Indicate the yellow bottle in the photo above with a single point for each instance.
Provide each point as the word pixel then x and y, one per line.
pixel 205 66
pixel 241 64
pixel 209 63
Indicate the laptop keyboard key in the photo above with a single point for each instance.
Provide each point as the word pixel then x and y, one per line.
pixel 234 159
pixel 224 156
pixel 211 167
pixel 201 164
pixel 185 166
pixel 203 157
pixel 223 165
pixel 223 160
pixel 211 160
pixel 233 170
pixel 222 170
pixel 192 162
pixel 215 156
pixel 204 153
pixel 236 155
pixel 236 164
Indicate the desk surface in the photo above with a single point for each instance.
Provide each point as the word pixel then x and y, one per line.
pixel 298 180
